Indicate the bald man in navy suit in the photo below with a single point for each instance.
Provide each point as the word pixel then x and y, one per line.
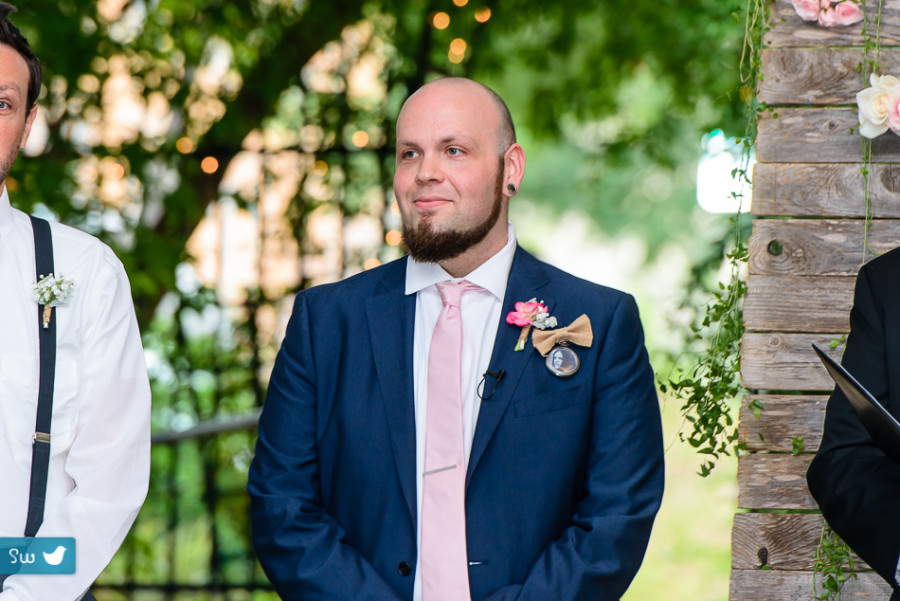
pixel 564 471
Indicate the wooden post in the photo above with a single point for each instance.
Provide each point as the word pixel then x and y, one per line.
pixel 805 250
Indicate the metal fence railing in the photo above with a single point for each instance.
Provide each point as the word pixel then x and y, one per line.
pixel 191 540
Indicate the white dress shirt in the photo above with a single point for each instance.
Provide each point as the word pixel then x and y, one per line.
pixel 480 311
pixel 100 433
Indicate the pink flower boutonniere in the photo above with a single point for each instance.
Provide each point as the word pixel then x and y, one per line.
pixel 531 313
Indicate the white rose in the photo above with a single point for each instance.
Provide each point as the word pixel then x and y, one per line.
pixel 883 82
pixel 874 105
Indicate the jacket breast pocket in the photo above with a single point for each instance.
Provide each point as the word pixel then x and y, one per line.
pixel 19 375
pixel 550 402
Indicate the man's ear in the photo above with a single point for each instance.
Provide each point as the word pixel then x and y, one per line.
pixel 29 120
pixel 513 169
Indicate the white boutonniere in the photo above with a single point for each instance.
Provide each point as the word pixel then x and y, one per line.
pixel 51 291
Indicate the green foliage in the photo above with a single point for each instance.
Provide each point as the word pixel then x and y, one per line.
pixel 707 388
pixel 834 566
pixel 706 391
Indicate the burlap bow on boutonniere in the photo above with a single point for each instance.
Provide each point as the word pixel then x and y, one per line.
pixel 578 332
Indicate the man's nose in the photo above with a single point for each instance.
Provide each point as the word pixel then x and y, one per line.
pixel 429 169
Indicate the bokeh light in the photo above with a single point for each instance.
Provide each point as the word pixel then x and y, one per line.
pixel 320 168
pixel 360 139
pixel 184 145
pixel 393 237
pixel 441 20
pixel 457 51
pixel 482 14
pixel 209 165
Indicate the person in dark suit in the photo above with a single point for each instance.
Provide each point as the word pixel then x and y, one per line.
pixel 855 484
pixel 562 476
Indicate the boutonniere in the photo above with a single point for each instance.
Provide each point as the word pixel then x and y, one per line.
pixel 562 361
pixel 578 332
pixel 52 291
pixel 528 314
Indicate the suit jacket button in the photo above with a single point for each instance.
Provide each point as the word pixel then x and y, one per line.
pixel 404 568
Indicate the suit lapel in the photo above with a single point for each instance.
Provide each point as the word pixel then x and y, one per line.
pixel 526 278
pixel 391 317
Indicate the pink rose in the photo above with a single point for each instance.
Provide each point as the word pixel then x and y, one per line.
pixel 847 13
pixel 826 3
pixel 893 118
pixel 807 9
pixel 827 18
pixel 529 308
pixel 518 318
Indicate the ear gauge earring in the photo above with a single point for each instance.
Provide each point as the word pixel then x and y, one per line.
pixel 511 188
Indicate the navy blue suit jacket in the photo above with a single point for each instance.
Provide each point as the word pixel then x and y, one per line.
pixel 564 478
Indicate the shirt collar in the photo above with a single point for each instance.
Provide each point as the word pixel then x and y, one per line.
pixel 6 215
pixel 491 275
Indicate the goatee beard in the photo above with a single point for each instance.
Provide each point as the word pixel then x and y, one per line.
pixel 427 246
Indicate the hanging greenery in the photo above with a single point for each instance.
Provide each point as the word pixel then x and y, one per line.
pixel 707 390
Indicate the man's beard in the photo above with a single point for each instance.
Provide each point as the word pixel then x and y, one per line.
pixel 6 163
pixel 432 247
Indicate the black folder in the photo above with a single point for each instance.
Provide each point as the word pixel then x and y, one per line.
pixel 884 429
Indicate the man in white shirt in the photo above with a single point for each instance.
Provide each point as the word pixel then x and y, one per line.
pixel 548 474
pixel 100 431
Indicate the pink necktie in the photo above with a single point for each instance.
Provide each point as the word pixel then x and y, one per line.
pixel 445 566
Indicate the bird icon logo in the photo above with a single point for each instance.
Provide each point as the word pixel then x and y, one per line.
pixel 55 558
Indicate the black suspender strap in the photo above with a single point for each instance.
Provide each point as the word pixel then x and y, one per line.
pixel 40 455
pixel 40 450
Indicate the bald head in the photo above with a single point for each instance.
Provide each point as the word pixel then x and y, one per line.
pixel 463 88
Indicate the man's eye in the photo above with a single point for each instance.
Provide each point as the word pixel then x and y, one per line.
pixel 453 151
pixel 4 105
pixel 409 154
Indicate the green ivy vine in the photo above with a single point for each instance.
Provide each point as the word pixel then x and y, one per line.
pixel 708 388
pixel 834 564
pixel 869 64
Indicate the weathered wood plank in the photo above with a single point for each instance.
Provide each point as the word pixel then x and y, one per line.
pixel 818 135
pixel 777 585
pixel 787 29
pixel 783 417
pixel 818 76
pixel 774 481
pixel 778 361
pixel 834 190
pixel 781 541
pixel 805 247
pixel 783 303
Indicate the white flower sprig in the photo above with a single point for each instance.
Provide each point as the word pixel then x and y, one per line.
pixel 51 292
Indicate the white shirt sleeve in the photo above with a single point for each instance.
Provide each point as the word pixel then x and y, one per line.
pixel 97 485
